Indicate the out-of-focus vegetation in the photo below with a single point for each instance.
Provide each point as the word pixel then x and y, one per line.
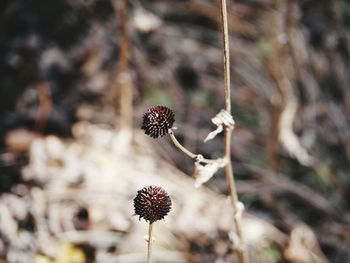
pixel 70 67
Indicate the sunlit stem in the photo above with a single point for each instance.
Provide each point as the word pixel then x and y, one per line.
pixel 197 157
pixel 150 241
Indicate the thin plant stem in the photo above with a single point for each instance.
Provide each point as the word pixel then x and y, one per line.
pixel 243 255
pixel 192 155
pixel 149 250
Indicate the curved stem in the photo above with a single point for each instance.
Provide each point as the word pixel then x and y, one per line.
pixel 149 251
pixel 243 255
pixel 192 155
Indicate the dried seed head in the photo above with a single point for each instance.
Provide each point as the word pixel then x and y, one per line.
pixel 152 203
pixel 157 121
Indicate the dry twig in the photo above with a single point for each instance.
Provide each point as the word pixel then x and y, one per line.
pixel 228 133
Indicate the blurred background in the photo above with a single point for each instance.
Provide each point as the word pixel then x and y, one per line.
pixel 75 79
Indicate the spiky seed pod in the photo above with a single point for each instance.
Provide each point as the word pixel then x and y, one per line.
pixel 157 121
pixel 152 203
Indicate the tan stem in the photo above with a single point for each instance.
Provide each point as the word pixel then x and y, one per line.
pixel 243 255
pixel 149 250
pixel 192 155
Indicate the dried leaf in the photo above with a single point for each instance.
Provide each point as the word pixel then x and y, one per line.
pixel 223 118
pixel 212 134
pixel 203 173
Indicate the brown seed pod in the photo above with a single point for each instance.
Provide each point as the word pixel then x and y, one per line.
pixel 157 121
pixel 152 203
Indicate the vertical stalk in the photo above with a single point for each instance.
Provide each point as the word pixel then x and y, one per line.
pixel 243 255
pixel 149 251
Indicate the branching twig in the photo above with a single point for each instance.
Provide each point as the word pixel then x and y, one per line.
pixel 228 132
pixel 197 157
pixel 158 121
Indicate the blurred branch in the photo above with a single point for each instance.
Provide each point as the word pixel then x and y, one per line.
pixel 278 183
pixel 336 59
pixel 286 105
pixel 122 89
pixel 45 105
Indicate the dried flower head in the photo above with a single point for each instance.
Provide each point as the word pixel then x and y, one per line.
pixel 152 203
pixel 157 121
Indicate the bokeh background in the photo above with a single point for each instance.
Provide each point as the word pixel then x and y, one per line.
pixel 75 79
